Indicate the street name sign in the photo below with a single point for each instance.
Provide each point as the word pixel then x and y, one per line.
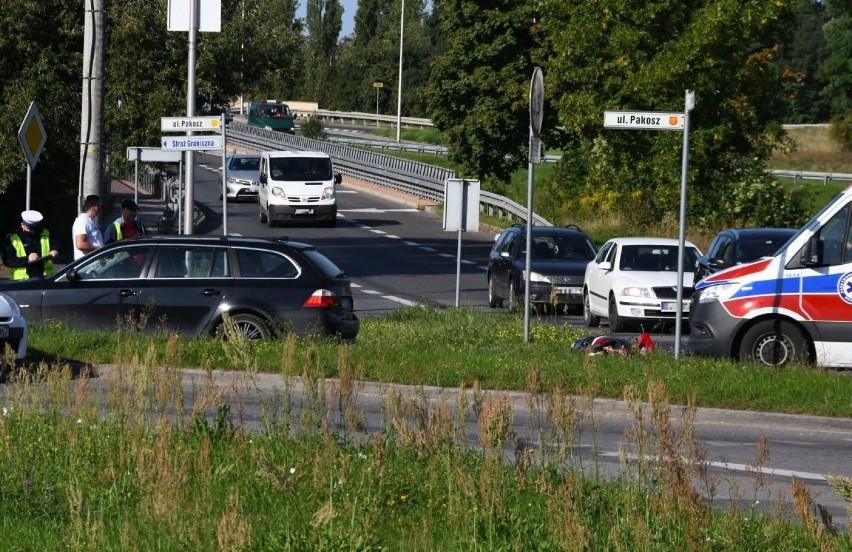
pixel 643 120
pixel 32 135
pixel 191 143
pixel 183 124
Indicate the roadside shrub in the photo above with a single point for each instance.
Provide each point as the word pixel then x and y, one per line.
pixel 764 203
pixel 314 129
pixel 841 131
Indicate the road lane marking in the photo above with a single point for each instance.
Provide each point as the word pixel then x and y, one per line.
pixel 734 467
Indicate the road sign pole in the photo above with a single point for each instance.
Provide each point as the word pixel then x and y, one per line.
pixel 536 115
pixel 689 103
pixel 136 177
pixel 224 181
pixel 29 184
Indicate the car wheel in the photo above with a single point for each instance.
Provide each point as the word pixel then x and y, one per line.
pixel 220 197
pixel 248 326
pixel 262 213
pixel 493 300
pixel 268 217
pixel 616 323
pixel 774 343
pixel 589 319
pixel 332 223
pixel 513 303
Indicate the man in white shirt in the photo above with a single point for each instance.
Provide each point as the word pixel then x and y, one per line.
pixel 85 232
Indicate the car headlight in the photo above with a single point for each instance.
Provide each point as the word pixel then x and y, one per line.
pixel 328 193
pixel 535 277
pixel 717 293
pixel 636 292
pixel 278 192
pixel 13 306
pixel 232 181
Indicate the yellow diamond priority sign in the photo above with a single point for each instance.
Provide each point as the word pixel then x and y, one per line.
pixel 32 135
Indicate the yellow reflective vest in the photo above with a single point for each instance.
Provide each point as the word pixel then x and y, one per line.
pixel 20 272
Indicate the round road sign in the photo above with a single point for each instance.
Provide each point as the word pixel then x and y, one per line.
pixel 536 101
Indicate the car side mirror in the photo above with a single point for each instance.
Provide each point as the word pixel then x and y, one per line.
pixel 263 178
pixel 717 262
pixel 606 265
pixel 812 252
pixel 338 178
pixel 72 275
pixel 505 255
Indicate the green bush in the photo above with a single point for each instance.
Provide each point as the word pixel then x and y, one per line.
pixel 841 131
pixel 764 202
pixel 314 129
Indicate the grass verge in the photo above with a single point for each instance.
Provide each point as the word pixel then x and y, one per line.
pixel 134 465
pixel 457 347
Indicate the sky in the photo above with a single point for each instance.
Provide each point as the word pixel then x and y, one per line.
pixel 349 9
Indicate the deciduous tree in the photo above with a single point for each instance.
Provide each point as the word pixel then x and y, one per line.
pixel 640 55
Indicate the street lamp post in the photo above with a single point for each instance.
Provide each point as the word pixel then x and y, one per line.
pixel 399 88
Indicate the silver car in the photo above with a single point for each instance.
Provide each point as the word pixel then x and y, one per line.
pixel 13 331
pixel 242 171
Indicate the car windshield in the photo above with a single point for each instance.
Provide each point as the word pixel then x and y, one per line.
pixel 561 247
pixel 300 168
pixel 753 249
pixel 656 258
pixel 244 164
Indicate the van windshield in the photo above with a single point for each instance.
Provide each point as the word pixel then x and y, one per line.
pixel 300 169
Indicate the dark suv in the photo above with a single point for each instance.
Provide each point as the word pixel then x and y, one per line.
pixel 190 285
pixel 735 246
pixel 558 262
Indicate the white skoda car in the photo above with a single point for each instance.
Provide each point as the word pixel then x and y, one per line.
pixel 13 330
pixel 633 281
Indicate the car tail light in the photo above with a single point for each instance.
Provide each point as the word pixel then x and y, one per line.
pixel 321 299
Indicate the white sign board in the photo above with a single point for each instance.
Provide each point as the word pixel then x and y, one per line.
pixel 183 124
pixel 153 155
pixel 208 18
pixel 643 120
pixel 194 143
pixel 461 205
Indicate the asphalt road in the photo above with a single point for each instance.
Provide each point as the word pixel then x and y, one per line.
pixel 802 447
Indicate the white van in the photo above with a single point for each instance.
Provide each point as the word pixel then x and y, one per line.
pixel 297 186
pixel 793 306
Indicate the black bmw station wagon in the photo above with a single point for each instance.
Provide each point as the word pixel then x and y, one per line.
pixel 187 284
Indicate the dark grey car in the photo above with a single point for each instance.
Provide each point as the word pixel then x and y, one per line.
pixel 558 262
pixel 188 284
pixel 734 246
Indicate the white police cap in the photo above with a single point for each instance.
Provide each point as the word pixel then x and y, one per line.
pixel 31 218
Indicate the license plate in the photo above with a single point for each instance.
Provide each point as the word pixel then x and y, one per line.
pixel 304 211
pixel 667 306
pixel 569 291
pixel 4 331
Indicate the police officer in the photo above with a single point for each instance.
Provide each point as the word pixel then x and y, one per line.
pixel 125 226
pixel 29 252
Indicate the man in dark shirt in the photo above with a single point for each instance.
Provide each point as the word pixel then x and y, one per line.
pixel 125 226
pixel 30 251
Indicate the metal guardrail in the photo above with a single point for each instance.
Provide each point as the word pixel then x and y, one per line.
pixel 357 117
pixel 808 175
pixel 411 177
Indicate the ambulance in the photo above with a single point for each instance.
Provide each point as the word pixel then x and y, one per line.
pixel 795 306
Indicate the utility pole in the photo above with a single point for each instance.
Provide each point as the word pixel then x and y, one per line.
pixel 189 198
pixel 92 116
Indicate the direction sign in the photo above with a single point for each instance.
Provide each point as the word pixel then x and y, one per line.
pixel 32 136
pixel 153 155
pixel 643 120
pixel 193 143
pixel 183 124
